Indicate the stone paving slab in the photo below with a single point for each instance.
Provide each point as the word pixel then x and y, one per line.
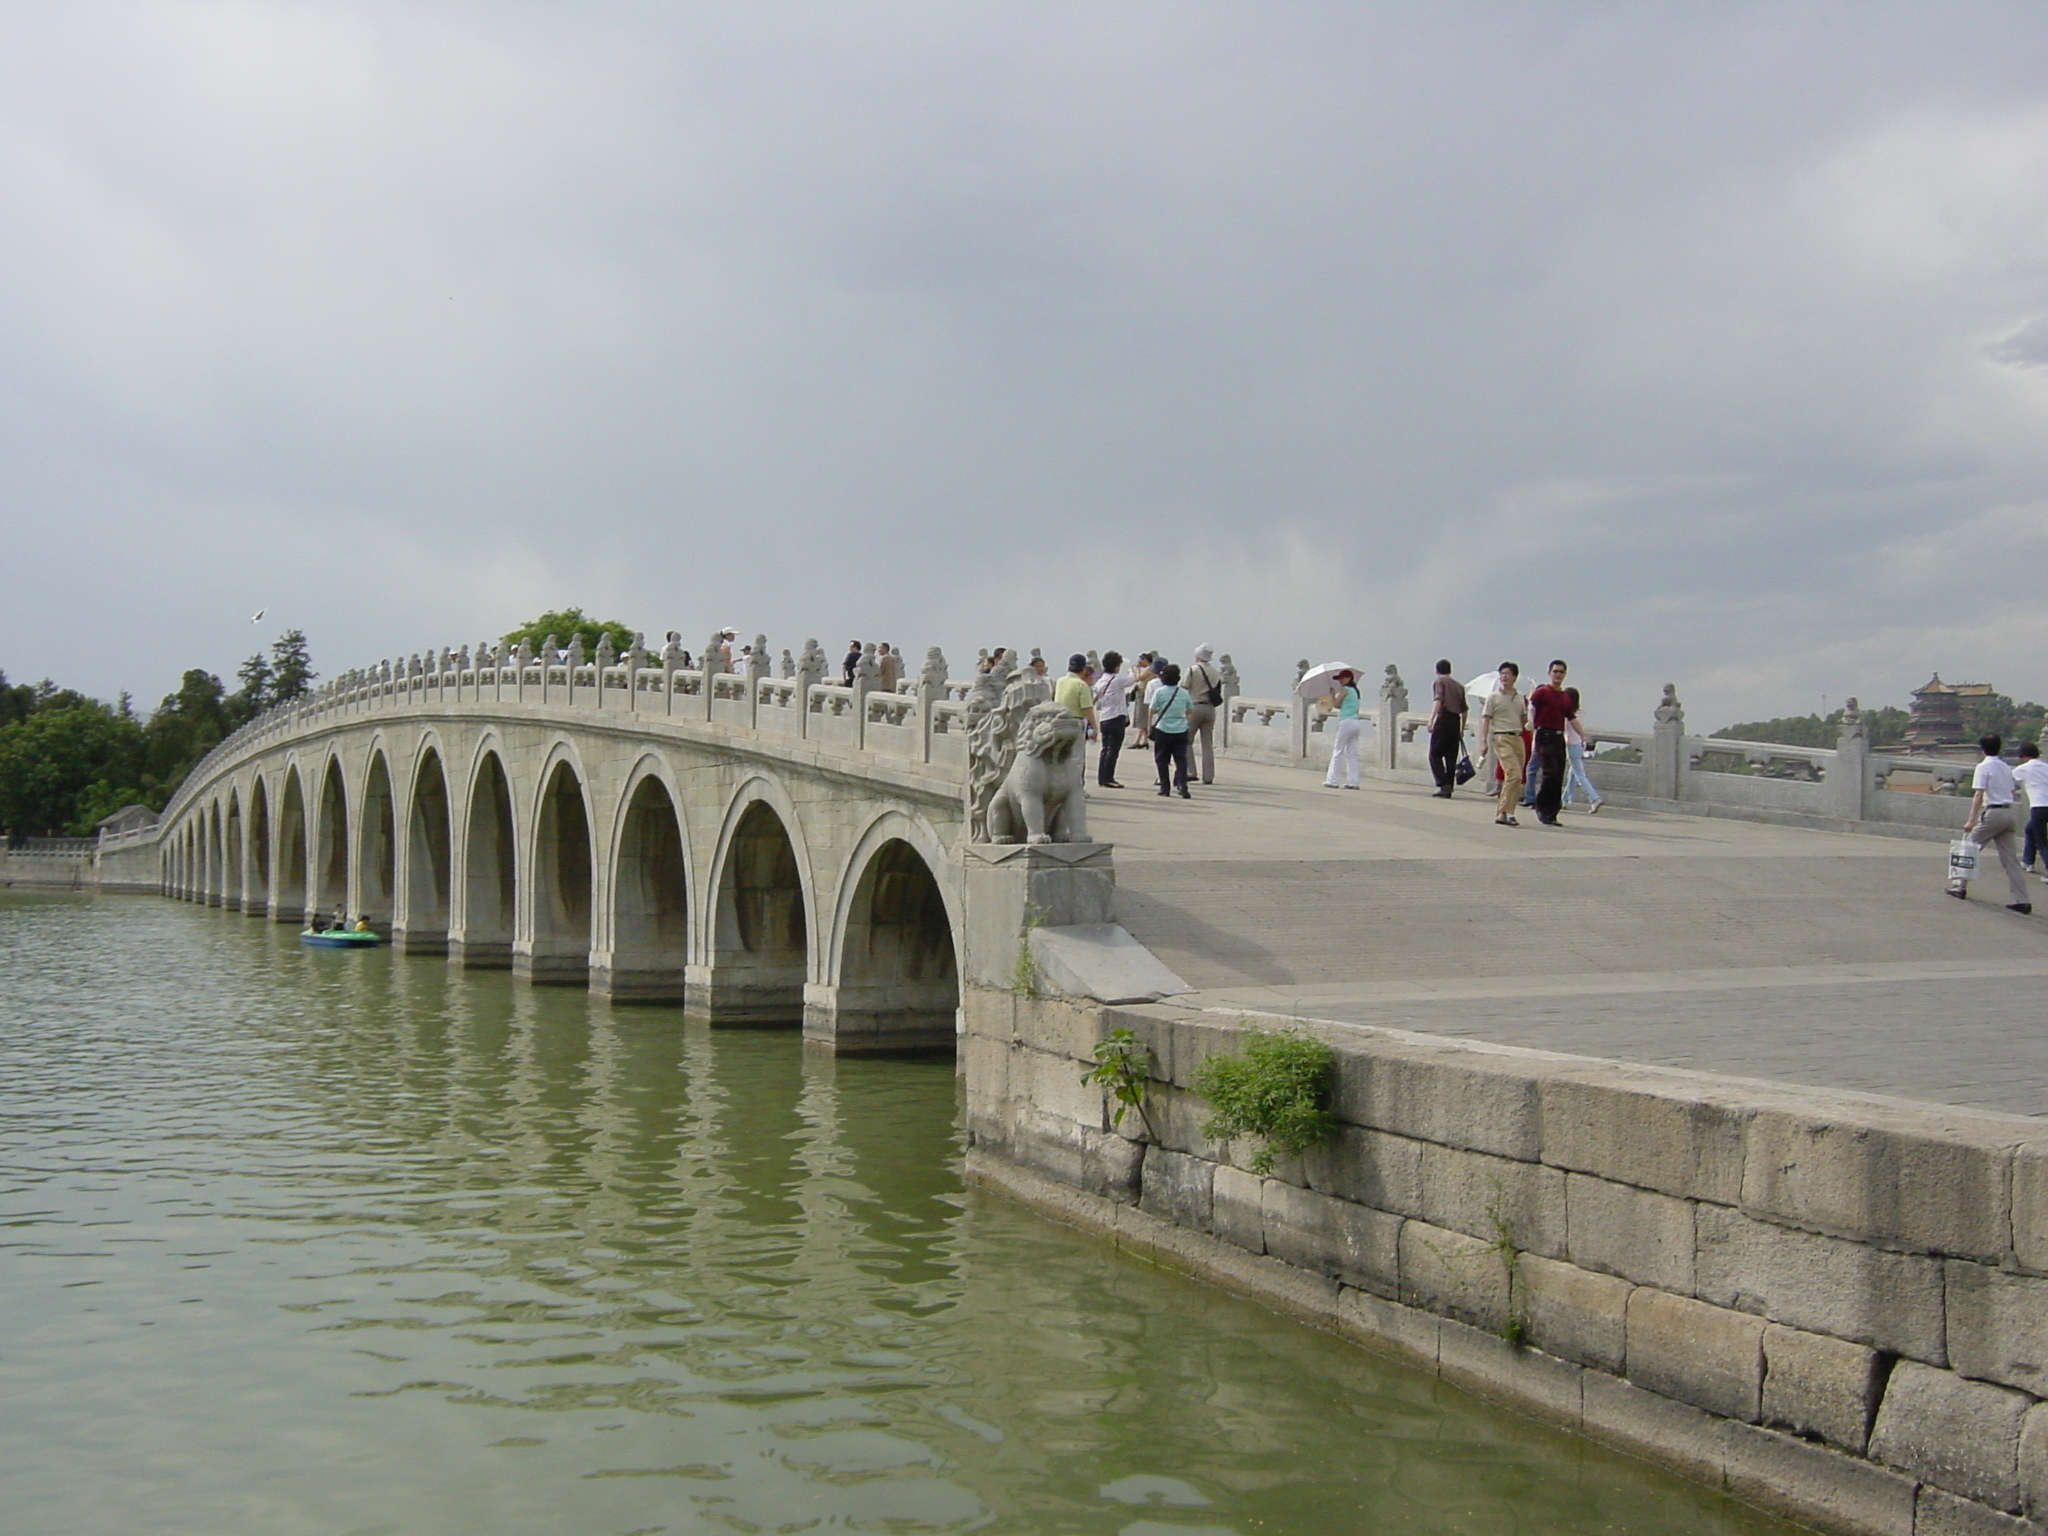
pixel 1830 959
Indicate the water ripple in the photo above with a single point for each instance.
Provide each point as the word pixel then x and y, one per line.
pixel 325 1242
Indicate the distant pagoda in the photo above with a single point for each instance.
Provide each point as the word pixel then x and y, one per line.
pixel 1936 719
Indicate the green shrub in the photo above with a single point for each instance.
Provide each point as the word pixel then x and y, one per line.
pixel 1276 1089
pixel 1123 1065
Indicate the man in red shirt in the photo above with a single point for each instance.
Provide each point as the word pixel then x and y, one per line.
pixel 1549 707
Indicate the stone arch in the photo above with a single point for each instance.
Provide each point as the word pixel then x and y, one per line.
pixel 563 858
pixel 895 971
pixel 429 855
pixel 256 883
pixel 235 840
pixel 490 868
pixel 377 848
pixel 289 904
pixel 758 921
pixel 649 947
pixel 330 844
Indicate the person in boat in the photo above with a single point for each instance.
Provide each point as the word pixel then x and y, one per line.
pixel 362 924
pixel 340 923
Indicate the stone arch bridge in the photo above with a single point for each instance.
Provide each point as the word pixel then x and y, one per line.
pixel 758 849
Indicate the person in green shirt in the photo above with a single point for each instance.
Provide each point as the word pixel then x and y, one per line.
pixel 1073 694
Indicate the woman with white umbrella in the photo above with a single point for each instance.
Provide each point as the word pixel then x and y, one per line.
pixel 1339 683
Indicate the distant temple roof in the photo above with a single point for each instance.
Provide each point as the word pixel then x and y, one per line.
pixel 1959 690
pixel 1936 719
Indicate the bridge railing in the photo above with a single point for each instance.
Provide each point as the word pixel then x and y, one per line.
pixel 916 722
pixel 924 722
pixel 1908 793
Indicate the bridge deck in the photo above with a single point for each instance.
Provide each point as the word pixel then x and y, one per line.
pixel 1829 959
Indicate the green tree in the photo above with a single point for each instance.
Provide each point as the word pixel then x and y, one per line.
pixel 62 769
pixel 186 726
pixel 291 667
pixel 17 700
pixel 253 697
pixel 1886 726
pixel 567 623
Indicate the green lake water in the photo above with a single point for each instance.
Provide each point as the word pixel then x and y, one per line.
pixel 307 1241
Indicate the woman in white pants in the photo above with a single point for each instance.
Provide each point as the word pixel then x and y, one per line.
pixel 1344 752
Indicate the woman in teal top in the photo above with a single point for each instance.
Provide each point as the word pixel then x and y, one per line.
pixel 1344 753
pixel 1169 702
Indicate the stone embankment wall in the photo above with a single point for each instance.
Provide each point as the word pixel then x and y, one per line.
pixel 47 871
pixel 1832 1306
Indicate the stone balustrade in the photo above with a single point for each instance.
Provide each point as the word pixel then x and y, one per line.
pixel 1899 794
pixel 919 721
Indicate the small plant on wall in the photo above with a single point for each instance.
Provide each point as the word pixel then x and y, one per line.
pixel 1122 1065
pixel 1275 1089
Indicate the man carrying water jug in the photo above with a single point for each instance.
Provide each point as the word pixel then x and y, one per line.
pixel 1993 820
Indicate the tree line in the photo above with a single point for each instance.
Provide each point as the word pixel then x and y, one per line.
pixel 1991 714
pixel 67 761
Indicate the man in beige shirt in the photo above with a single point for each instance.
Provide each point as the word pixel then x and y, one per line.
pixel 1502 719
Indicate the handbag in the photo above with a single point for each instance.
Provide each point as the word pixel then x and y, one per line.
pixel 1464 773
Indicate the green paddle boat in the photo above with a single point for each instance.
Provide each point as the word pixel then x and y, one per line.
pixel 340 938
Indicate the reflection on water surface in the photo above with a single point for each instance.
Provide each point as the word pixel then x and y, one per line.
pixel 312 1241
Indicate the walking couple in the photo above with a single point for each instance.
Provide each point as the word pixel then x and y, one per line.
pixel 1506 719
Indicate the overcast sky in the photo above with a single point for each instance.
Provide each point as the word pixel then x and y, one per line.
pixel 1702 343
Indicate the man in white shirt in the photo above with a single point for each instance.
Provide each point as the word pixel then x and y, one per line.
pixel 1993 820
pixel 2032 774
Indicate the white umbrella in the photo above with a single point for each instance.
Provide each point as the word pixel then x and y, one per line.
pixel 1480 689
pixel 1317 681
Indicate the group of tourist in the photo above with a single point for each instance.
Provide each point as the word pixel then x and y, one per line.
pixel 1151 702
pixel 1534 746
pixel 888 665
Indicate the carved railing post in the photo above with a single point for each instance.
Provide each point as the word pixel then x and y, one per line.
pixel 671 664
pixel 931 687
pixel 1298 711
pixel 808 671
pixel 1667 748
pixel 712 662
pixel 1849 776
pixel 1393 705
pixel 1226 670
pixel 606 659
pixel 573 663
pixel 863 685
pixel 549 648
pixel 636 658
pixel 757 672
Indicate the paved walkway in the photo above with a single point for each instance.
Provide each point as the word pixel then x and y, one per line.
pixel 1830 959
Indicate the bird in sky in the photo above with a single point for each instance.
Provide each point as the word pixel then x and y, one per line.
pixel 257 616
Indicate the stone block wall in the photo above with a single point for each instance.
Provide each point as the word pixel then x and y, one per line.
pixel 1833 1306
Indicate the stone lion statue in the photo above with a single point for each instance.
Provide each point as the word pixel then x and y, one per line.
pixel 1040 800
